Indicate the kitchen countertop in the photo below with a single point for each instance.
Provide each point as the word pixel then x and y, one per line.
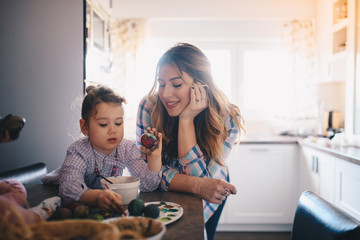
pixel 348 153
pixel 269 140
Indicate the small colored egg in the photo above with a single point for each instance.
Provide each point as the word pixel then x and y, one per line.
pixel 149 140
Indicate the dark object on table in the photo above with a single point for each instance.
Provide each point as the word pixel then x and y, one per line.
pixel 75 209
pixel 317 219
pixel 136 207
pixel 10 127
pixel 152 211
pixel 82 211
pixel 65 213
pixel 30 174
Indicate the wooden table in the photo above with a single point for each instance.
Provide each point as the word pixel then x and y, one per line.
pixel 189 226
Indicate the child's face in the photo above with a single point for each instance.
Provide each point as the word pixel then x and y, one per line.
pixel 106 127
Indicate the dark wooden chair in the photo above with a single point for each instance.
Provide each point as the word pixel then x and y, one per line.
pixel 28 175
pixel 317 219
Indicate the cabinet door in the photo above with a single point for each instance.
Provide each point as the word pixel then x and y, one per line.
pixel 265 176
pixel 326 171
pixel 318 173
pixel 347 187
pixel 309 179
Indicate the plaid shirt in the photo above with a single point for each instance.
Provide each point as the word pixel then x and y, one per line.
pixel 194 163
pixel 78 170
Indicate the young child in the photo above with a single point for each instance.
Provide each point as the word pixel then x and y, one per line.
pixel 104 152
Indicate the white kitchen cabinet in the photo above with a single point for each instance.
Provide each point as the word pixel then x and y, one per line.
pixel 347 187
pixel 266 178
pixel 309 178
pixel 335 38
pixel 333 178
pixel 317 173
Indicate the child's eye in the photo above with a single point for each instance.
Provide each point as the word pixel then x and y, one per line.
pixel 102 124
pixel 118 124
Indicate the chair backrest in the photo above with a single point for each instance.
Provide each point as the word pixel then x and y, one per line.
pixel 317 219
pixel 30 174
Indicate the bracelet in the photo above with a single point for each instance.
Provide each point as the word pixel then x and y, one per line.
pixel 199 187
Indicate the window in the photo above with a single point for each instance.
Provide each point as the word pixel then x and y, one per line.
pixel 256 76
pixel 221 68
pixel 266 81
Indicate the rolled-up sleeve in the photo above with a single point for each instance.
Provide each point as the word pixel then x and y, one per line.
pixel 143 120
pixel 194 163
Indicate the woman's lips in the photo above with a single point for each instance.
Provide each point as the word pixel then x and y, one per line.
pixel 171 105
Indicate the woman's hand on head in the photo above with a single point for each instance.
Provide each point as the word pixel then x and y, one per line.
pixel 215 190
pixel 109 201
pixel 198 102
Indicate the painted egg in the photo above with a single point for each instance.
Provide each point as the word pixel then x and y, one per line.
pixel 152 211
pixel 149 140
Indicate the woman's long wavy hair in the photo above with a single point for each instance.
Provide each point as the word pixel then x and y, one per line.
pixel 209 124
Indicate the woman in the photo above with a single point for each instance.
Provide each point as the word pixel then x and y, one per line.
pixel 198 125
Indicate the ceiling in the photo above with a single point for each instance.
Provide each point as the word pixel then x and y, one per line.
pixel 243 9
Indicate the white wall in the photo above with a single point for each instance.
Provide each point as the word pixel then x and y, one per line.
pixel 41 72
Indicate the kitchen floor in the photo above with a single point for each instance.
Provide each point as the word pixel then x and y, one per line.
pixel 252 235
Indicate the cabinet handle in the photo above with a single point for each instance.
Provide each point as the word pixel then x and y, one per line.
pixel 259 149
pixel 314 166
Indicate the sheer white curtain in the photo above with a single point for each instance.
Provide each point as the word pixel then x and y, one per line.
pixel 299 38
pixel 127 37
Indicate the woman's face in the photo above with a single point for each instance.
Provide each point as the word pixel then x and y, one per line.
pixel 174 90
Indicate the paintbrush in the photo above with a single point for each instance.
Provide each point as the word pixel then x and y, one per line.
pixel 106 179
pixel 121 209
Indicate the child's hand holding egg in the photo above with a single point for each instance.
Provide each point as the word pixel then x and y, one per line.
pixel 151 145
pixel 150 140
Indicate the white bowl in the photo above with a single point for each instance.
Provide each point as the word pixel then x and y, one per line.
pixel 126 186
pixel 159 235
